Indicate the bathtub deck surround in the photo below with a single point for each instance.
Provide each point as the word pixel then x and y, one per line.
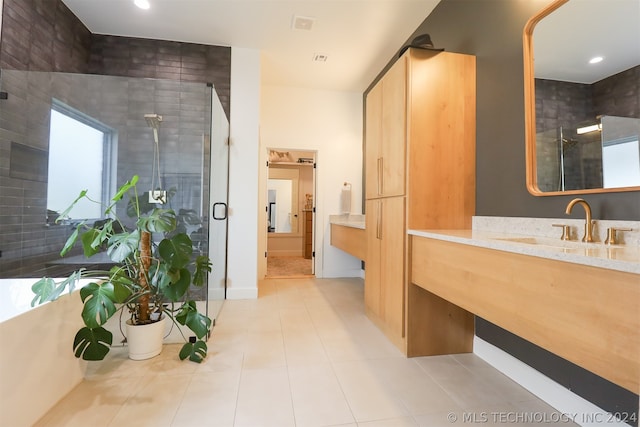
pixel 36 374
pixel 151 282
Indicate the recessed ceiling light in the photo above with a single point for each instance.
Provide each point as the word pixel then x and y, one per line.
pixel 596 59
pixel 142 4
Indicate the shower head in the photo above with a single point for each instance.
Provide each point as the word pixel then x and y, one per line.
pixel 153 120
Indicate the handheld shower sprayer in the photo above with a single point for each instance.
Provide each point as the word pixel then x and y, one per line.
pixel 153 121
pixel 155 196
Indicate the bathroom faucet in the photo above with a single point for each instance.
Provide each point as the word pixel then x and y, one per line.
pixel 587 224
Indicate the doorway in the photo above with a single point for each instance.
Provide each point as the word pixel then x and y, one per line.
pixel 290 213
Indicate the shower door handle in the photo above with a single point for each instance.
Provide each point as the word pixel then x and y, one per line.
pixel 225 211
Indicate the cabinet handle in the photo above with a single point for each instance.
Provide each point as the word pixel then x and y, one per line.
pixel 380 212
pixel 379 176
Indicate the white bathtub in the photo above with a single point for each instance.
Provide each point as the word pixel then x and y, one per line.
pixel 37 365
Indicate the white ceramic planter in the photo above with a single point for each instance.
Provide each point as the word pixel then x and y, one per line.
pixel 145 341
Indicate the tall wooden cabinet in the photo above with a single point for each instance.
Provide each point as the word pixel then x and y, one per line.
pixel 419 170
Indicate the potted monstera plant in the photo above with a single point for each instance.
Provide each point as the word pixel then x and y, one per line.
pixel 149 280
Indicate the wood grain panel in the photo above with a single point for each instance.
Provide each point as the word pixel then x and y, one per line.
pixel 349 239
pixel 441 168
pixel 587 315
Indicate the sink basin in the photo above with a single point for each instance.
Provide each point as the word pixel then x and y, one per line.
pixel 541 242
pixel 528 240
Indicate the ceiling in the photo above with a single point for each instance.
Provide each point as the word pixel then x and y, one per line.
pixel 570 36
pixel 358 37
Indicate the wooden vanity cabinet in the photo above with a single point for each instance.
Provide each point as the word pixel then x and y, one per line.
pixel 385 122
pixel 419 170
pixel 384 275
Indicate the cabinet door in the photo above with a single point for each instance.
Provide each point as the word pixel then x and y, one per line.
pixel 373 138
pixel 373 260
pixel 392 256
pixel 394 129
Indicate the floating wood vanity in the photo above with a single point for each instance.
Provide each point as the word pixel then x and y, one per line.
pixel 548 295
pixel 348 234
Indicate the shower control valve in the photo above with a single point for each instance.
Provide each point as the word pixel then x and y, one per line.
pixel 158 196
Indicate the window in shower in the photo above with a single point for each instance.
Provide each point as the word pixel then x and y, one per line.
pixel 80 158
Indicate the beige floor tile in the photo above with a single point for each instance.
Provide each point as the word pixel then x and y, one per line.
pixel 317 397
pixel 225 352
pixel 94 402
pixel 264 350
pixel 303 348
pixel 418 392
pixel 154 403
pixel 302 354
pixel 473 383
pixel 369 397
pixel 210 400
pixel 264 399
pixel 296 319
pixel 393 422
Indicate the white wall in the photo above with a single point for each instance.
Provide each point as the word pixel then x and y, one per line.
pixel 330 123
pixel 243 174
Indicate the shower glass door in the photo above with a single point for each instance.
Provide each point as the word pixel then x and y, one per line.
pixel 218 196
pixel 178 165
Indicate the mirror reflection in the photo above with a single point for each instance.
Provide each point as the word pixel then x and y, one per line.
pixel 583 118
pixel 281 215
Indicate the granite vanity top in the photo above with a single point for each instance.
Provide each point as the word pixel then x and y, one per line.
pixel 348 220
pixel 540 239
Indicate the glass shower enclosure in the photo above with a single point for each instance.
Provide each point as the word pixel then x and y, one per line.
pixel 61 133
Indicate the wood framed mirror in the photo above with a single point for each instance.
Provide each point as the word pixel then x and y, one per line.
pixel 582 120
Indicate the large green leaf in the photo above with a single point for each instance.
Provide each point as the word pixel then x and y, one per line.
pixel 92 344
pixel 89 240
pixel 122 245
pixel 179 284
pixel 47 289
pixel 176 251
pixel 159 220
pixel 98 302
pixel 124 189
pixel 123 285
pixel 189 316
pixel 71 240
pixel 65 212
pixel 196 351
pixel 43 289
pixel 203 266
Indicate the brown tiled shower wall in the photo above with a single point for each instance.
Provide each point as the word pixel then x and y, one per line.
pixel 43 35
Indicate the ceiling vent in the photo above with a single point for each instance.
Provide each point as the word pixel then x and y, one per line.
pixel 302 23
pixel 319 57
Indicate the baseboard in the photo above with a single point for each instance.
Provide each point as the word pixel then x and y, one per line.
pixel 569 404
pixel 242 293
pixel 328 274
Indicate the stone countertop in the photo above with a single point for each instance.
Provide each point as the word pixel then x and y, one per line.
pixel 348 220
pixel 614 257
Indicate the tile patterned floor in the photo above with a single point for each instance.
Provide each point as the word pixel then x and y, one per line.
pixel 302 354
